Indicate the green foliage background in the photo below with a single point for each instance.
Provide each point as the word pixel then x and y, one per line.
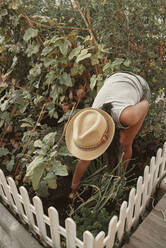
pixel 53 60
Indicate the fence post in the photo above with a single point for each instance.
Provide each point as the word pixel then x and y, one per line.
pixel 99 240
pixel 88 240
pixel 138 199
pixel 145 188
pixel 121 222
pixel 40 217
pixel 54 226
pixel 70 233
pixel 112 229
pixel 16 197
pixel 27 207
pixel 5 187
pixel 130 210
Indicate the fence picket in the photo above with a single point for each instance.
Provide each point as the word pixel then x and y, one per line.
pixel 163 164
pixel 16 197
pixel 5 187
pixel 145 196
pixel 121 222
pixel 88 240
pixel 138 199
pixel 40 218
pixel 112 229
pixel 2 192
pixel 151 172
pixel 27 207
pixel 158 163
pixel 70 233
pixel 99 240
pixel 54 227
pixel 130 210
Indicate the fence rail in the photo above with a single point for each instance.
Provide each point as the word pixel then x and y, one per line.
pixel 48 229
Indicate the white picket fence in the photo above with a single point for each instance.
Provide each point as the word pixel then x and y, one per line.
pixel 48 229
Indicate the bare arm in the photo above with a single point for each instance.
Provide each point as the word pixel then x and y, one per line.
pixel 80 169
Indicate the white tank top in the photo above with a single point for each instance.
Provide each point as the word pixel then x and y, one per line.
pixel 121 90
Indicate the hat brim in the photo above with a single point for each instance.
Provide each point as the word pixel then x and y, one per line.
pixel 89 154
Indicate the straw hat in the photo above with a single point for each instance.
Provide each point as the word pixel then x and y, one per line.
pixel 89 133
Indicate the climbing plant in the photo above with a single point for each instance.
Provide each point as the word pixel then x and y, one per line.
pixel 54 57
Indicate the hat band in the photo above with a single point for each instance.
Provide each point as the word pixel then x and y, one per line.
pixel 93 147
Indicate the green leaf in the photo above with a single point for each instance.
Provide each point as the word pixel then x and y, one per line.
pixel 30 33
pixel 37 174
pixel 83 55
pixel 4 106
pixel 64 47
pixel 94 59
pixel 38 161
pixel 32 49
pixel 3 151
pixel 10 165
pixel 36 71
pixel 77 69
pixel 49 61
pixel 58 168
pixel 75 52
pixel 47 50
pixel 49 139
pixel 38 143
pixel 52 183
pixel 127 62
pixel 116 64
pixel 51 76
pixel 93 81
pixel 65 79
pixel 43 189
pixel 3 12
pixel 107 66
pixel 62 43
pixel 15 4
pixel 2 39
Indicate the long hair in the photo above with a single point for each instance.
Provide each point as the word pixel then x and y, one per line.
pixel 111 155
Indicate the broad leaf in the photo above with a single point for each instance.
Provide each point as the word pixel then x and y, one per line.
pixel 77 69
pixel 32 49
pixel 37 174
pixel 38 143
pixel 93 81
pixel 10 165
pixel 52 183
pixel 38 161
pixel 47 50
pixel 65 79
pixel 30 33
pixel 3 151
pixel 51 180
pixel 15 4
pixel 3 12
pixel 49 139
pixel 75 52
pixel 58 168
pixel 43 189
pixel 83 55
